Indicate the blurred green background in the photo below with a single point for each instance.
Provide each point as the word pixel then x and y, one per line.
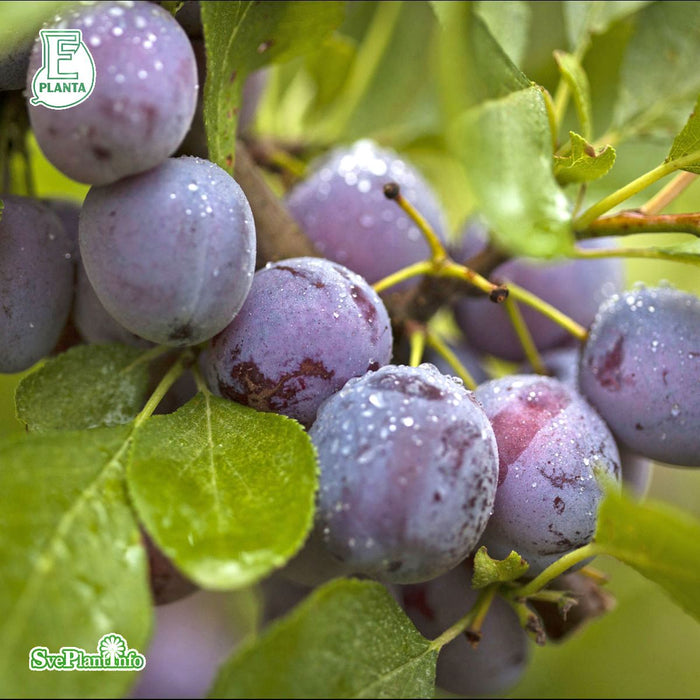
pixel 646 647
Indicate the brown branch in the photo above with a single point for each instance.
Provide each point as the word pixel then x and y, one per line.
pixel 278 236
pixel 635 221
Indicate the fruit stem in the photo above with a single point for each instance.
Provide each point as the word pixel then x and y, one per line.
pixel 559 567
pixel 403 274
pixel 525 337
pixel 171 376
pixel 437 250
pixel 439 345
pixel 551 312
pixel 471 622
pixel 417 340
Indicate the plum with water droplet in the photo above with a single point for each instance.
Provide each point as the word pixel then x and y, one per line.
pixel 641 370
pixel 552 448
pixel 409 466
pixel 170 253
pixel 341 207
pixel 307 326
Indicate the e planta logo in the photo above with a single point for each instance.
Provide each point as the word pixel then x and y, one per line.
pixel 113 654
pixel 67 74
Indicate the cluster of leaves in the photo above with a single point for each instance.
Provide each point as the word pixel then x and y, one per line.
pixel 228 493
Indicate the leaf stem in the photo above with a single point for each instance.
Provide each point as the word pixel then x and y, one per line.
pixel 551 312
pixel 171 376
pixel 475 616
pixel 556 569
pixel 524 335
pixel 668 193
pixel 632 188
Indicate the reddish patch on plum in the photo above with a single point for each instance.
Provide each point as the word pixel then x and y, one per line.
pixel 303 274
pixel 253 388
pixel 517 424
pixel 609 375
pixel 409 387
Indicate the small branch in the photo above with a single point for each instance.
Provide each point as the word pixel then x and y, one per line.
pixel 636 221
pixel 668 193
pixel 277 234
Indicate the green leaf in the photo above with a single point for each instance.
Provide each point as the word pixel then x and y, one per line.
pixel 577 80
pixel 348 639
pixel 505 146
pixel 472 66
pixel 509 24
pixel 388 93
pixel 659 541
pixel 688 141
pixel 583 163
pixel 226 492
pixel 73 566
pixel 20 22
pixel 659 93
pixel 488 570
pixel 241 37
pixel 86 387
pixel 585 18
pixel 328 68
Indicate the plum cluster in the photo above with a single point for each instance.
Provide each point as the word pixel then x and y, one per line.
pixel 416 471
